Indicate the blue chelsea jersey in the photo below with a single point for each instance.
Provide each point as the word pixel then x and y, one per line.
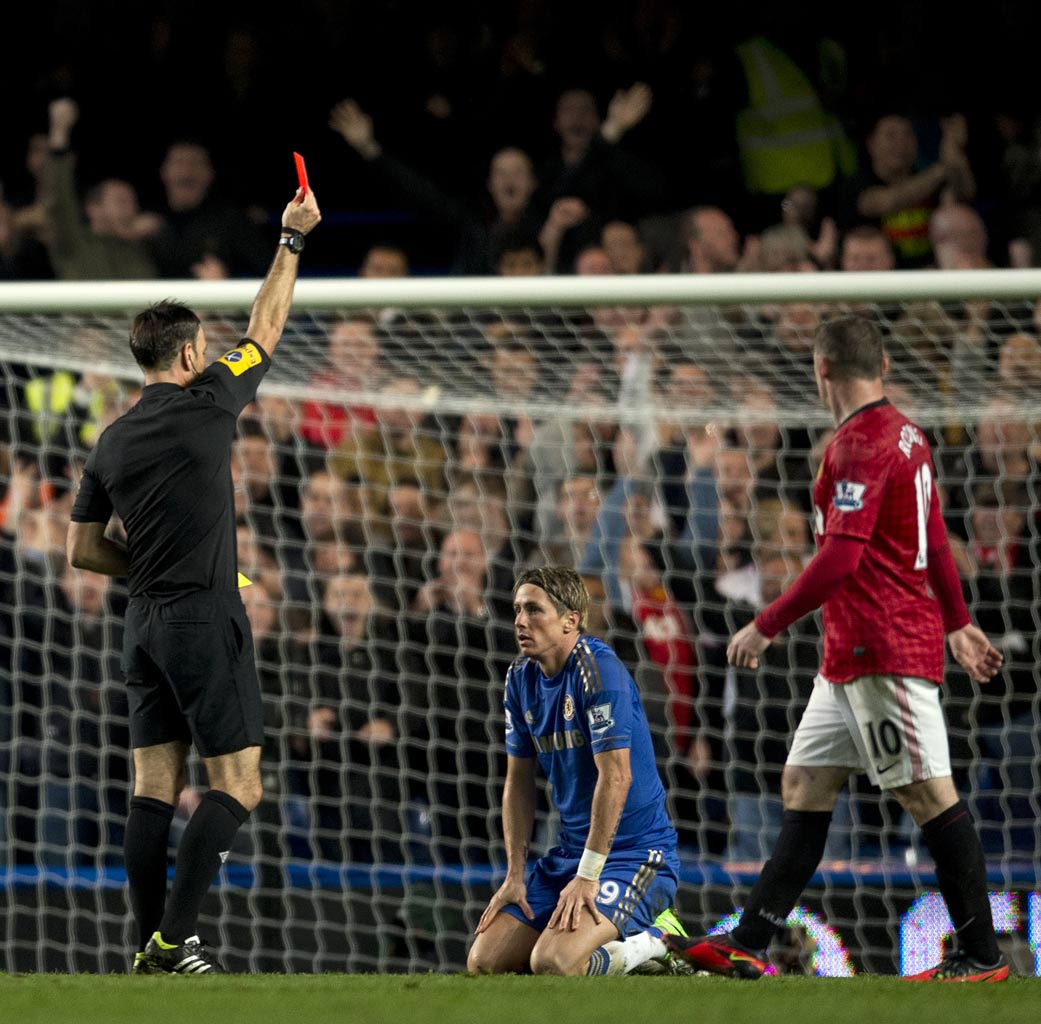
pixel 589 706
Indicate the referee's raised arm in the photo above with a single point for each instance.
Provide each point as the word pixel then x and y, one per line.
pixel 271 308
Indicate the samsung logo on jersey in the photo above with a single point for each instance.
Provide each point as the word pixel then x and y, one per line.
pixel 566 740
pixel 849 497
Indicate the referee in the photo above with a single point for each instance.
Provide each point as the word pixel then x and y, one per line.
pixel 164 468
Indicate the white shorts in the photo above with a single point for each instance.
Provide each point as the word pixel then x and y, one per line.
pixel 891 727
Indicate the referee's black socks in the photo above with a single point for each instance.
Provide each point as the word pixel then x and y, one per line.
pixel 961 874
pixel 144 849
pixel 204 846
pixel 799 849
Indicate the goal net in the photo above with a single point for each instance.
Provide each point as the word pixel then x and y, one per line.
pixel 415 445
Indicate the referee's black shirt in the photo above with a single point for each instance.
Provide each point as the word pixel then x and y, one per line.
pixel 165 468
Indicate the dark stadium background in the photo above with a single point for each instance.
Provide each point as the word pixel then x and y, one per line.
pixel 256 81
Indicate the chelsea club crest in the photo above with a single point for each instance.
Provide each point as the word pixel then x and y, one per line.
pixel 569 708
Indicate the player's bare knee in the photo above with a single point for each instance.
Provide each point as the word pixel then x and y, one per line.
pixel 551 960
pixel 927 799
pixel 811 789
pixel 249 794
pixel 482 960
pixel 796 783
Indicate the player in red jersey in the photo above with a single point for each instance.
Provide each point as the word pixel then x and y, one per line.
pixel 875 705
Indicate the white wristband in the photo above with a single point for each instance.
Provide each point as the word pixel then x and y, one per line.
pixel 591 864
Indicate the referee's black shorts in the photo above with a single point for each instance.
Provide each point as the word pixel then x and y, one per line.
pixel 191 675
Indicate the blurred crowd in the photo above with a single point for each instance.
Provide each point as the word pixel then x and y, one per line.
pixel 527 140
pixel 381 539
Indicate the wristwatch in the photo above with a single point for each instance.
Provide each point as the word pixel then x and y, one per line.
pixel 292 240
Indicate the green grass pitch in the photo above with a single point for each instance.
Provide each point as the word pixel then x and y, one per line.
pixel 443 999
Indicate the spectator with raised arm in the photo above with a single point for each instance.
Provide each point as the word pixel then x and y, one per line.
pixel 109 246
pixel 592 180
pixel 590 164
pixel 511 188
pixel 893 195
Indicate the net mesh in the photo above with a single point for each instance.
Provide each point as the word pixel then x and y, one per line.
pixel 398 469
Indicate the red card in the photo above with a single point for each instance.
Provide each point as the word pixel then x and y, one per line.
pixel 301 172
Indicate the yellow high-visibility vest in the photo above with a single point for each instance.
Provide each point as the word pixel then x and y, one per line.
pixel 784 136
pixel 49 399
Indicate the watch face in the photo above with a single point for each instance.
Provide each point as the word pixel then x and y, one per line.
pixel 294 243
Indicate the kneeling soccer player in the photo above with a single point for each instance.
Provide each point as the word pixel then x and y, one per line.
pixel 598 902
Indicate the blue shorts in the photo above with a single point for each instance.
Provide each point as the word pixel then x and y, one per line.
pixel 635 887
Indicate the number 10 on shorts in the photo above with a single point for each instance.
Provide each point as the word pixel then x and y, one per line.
pixel 884 739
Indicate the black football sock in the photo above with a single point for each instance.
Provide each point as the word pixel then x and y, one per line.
pixel 144 851
pixel 209 834
pixel 796 855
pixel 961 874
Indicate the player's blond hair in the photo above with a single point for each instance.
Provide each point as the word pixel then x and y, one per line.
pixel 563 586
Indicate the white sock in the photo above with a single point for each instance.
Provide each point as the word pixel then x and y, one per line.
pixel 616 957
pixel 641 947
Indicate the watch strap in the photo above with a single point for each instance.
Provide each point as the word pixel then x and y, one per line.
pixel 292 239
